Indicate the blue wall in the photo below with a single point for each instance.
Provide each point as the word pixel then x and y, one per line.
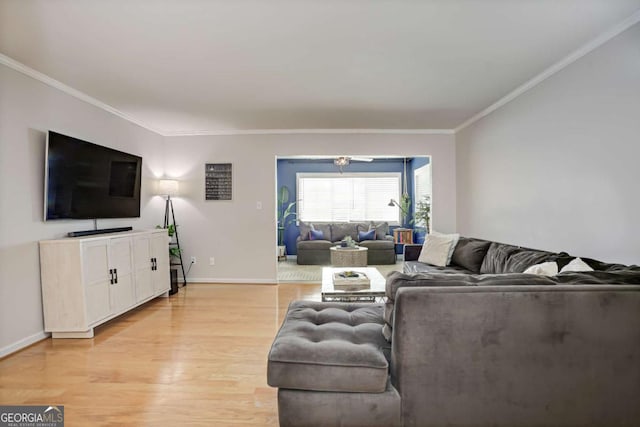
pixel 287 169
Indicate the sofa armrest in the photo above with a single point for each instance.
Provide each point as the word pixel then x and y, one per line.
pixel 412 252
pixel 508 352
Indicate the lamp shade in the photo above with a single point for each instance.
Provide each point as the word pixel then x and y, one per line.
pixel 168 187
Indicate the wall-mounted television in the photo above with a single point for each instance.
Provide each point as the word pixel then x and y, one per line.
pixel 88 181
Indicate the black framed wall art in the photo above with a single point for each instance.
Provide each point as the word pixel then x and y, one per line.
pixel 218 181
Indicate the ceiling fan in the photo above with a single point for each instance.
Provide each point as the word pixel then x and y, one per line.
pixel 343 161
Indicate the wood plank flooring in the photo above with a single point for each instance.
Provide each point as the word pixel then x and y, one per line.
pixel 197 358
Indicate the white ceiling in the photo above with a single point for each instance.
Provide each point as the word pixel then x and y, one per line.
pixel 188 66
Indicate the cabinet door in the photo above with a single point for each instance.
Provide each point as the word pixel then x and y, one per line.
pixel 120 256
pixel 160 251
pixel 95 257
pixel 142 264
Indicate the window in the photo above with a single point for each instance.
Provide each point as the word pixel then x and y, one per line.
pixel 348 196
pixel 422 184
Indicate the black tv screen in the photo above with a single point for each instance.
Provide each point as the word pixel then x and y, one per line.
pixel 89 181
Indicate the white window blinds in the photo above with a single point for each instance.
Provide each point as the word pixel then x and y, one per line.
pixel 348 197
pixel 422 184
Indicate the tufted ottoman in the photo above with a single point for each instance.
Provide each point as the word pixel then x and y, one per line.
pixel 331 364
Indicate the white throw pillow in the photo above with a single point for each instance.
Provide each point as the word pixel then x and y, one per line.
pixel 576 265
pixel 455 238
pixel 435 249
pixel 543 269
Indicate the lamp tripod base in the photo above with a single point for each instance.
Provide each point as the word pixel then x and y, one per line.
pixel 170 219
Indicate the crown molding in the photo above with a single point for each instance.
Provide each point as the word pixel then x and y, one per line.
pixel 555 68
pixel 312 131
pixel 37 75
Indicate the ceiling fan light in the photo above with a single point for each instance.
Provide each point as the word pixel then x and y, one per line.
pixel 341 161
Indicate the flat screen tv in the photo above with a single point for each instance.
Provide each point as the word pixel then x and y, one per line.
pixel 89 181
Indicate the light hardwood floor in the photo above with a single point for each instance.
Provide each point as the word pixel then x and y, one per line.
pixel 197 358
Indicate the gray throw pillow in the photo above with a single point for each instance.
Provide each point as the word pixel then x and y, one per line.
pixel 305 228
pixel 382 229
pixel 469 253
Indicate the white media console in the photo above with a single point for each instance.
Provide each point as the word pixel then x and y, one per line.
pixel 89 280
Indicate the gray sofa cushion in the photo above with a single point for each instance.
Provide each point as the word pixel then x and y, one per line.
pixel 298 408
pixel 502 258
pixel 469 253
pixel 377 244
pixel 316 245
pixel 380 251
pixel 410 267
pixel 340 230
pixel 520 261
pixel 496 258
pixel 603 266
pixel 619 277
pixel 330 347
pixel 397 280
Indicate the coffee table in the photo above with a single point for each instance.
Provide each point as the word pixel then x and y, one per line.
pixel 348 257
pixel 374 292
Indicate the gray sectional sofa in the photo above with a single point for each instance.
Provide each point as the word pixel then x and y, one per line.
pixel 316 252
pixel 476 343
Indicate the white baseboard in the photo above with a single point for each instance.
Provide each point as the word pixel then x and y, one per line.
pixel 25 342
pixel 230 280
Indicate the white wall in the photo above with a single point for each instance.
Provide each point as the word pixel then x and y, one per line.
pixel 28 109
pixel 558 167
pixel 243 239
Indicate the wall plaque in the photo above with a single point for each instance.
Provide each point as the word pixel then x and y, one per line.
pixel 218 182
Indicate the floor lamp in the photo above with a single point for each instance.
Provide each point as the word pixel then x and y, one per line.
pixel 169 187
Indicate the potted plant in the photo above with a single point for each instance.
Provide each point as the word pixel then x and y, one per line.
pixel 171 229
pixel 405 206
pixel 422 218
pixel 174 251
pixel 286 215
